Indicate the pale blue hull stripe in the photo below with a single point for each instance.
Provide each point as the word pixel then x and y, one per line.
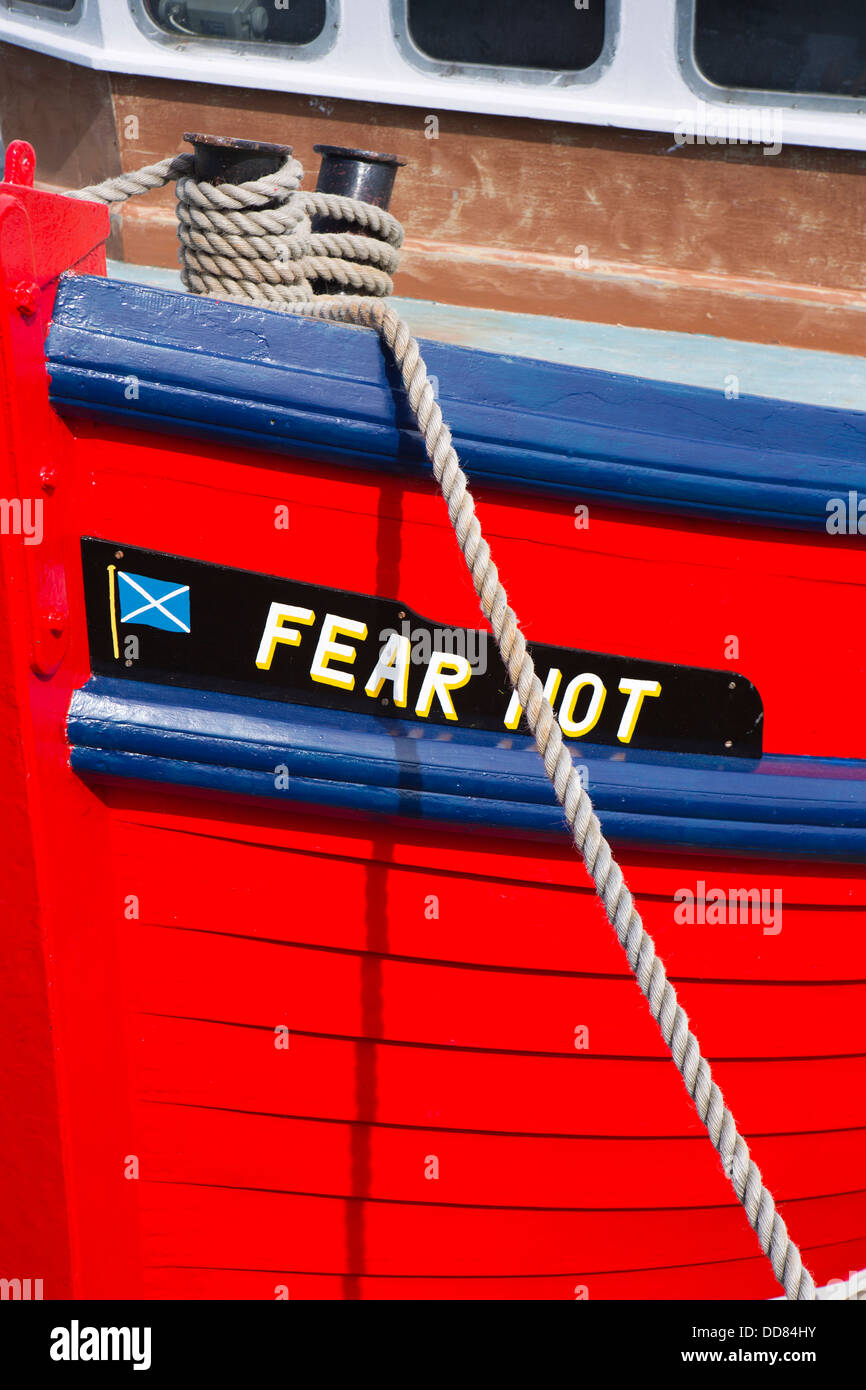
pixel 692 359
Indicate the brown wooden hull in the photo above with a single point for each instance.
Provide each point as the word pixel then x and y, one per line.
pixel 538 217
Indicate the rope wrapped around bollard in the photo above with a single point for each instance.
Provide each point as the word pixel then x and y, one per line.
pixel 254 241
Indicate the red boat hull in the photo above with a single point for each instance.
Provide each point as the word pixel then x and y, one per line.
pixel 471 1099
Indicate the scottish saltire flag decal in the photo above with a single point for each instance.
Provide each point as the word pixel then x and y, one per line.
pixel 153 602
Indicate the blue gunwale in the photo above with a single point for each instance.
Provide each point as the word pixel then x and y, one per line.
pixel 780 807
pixel 217 370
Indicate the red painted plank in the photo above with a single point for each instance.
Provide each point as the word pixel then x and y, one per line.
pixel 226 1227
pixel 738 1279
pixel 208 975
pixel 480 856
pixel 228 1149
pixel 210 1064
pixel 190 879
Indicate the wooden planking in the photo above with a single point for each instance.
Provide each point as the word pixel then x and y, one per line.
pixel 195 881
pixel 771 310
pixel 216 976
pixel 441 1091
pixel 230 1149
pixel 204 1226
pixel 73 133
pixel 688 238
pixel 739 1279
pixel 484 857
pixel 703 255
pixel 701 207
pixel 191 1062
pixel 616 294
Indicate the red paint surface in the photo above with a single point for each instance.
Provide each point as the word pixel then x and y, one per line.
pixel 673 591
pixel 411 1036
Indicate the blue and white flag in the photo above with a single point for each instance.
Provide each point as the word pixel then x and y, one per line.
pixel 153 602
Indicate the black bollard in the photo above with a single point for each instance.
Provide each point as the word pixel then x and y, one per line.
pixel 222 159
pixel 363 174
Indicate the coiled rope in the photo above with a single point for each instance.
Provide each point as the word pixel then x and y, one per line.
pixel 254 241
pixel 231 246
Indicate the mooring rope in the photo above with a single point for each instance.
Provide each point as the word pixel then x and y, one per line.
pixel 254 241
pixel 232 246
pixel 738 1164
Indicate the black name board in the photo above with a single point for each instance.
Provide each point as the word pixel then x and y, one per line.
pixel 174 621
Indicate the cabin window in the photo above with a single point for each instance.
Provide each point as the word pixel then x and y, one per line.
pixel 63 5
pixel 551 35
pixel 815 47
pixel 297 22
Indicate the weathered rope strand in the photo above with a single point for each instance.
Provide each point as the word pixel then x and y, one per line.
pixel 123 186
pixel 232 245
